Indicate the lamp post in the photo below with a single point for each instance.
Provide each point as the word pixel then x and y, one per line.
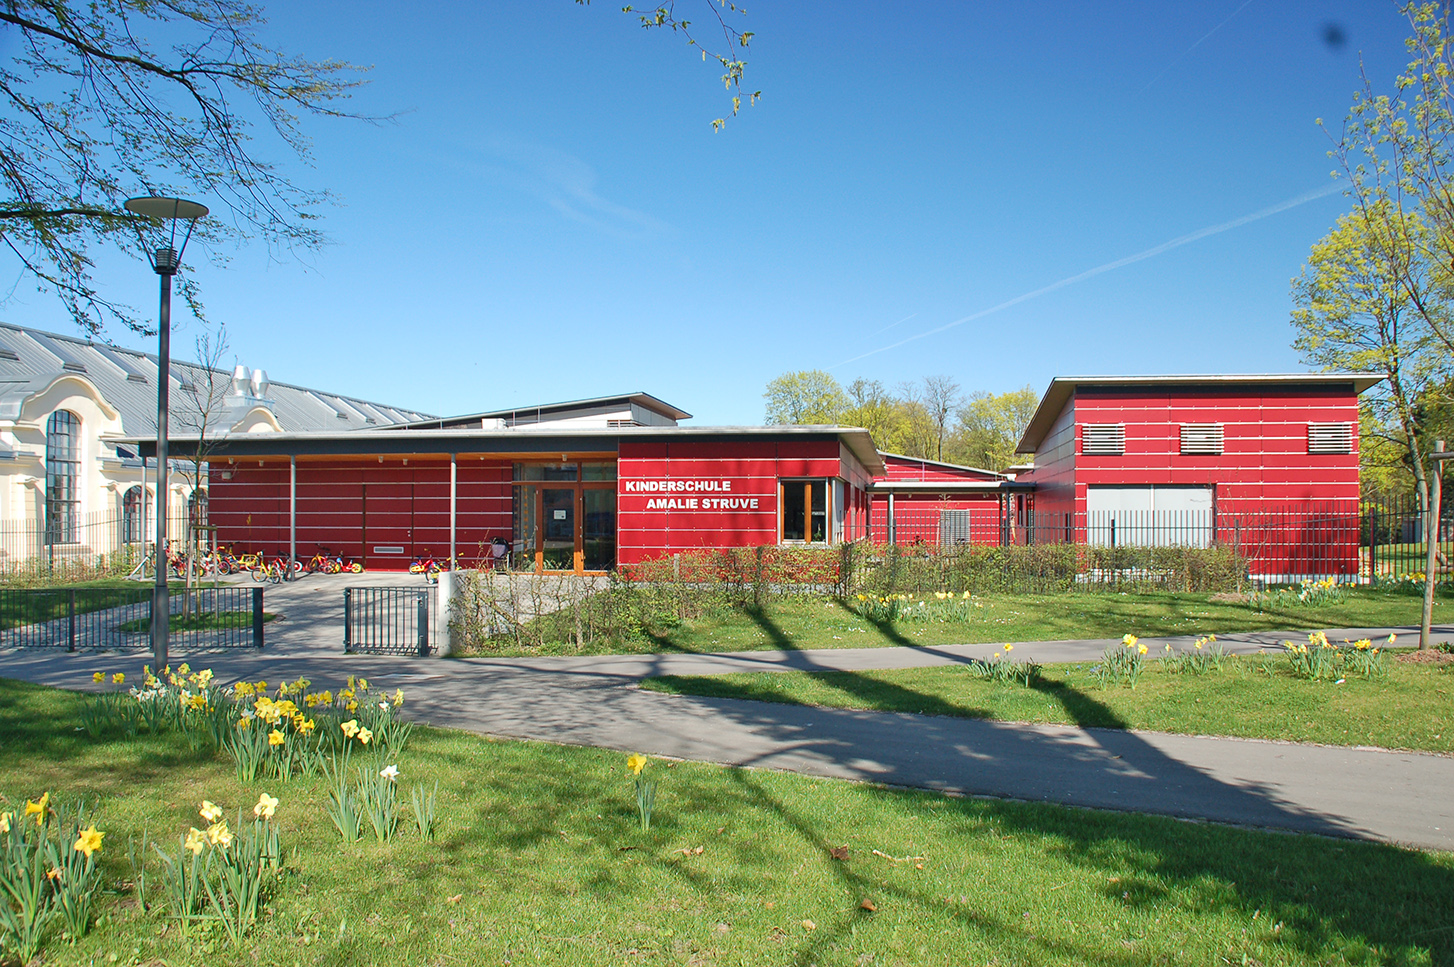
pixel 166 258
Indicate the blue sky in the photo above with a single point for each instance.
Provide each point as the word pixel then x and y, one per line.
pixel 550 215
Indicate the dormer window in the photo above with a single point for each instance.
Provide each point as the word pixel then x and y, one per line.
pixel 1103 439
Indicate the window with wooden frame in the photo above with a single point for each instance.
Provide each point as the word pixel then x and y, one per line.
pixel 803 511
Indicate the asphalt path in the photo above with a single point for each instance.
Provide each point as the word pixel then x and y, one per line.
pixel 1398 797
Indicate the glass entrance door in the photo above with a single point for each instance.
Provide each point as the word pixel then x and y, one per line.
pixel 558 524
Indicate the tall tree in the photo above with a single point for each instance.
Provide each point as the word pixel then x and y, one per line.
pixel 872 407
pixel 940 399
pixel 990 427
pixel 93 112
pixel 805 396
pixel 1364 302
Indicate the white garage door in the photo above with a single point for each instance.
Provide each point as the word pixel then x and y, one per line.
pixel 1149 515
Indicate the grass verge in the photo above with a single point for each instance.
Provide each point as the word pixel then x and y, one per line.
pixel 1253 697
pixel 539 860
pixel 798 623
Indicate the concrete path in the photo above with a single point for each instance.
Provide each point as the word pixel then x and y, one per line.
pixel 1396 797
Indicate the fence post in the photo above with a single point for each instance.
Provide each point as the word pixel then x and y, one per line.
pixel 423 624
pixel 257 617
pixel 1373 547
pixel 71 639
pixel 347 619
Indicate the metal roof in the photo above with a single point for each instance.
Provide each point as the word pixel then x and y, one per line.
pixel 1062 388
pixel 940 463
pixel 31 360
pixel 477 441
pixel 644 400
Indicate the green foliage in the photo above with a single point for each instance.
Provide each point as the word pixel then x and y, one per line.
pixel 48 875
pixel 806 396
pixel 1204 657
pixel 1001 670
pixel 422 804
pixel 378 796
pixel 1121 665
pixel 1310 593
pixel 990 427
pixel 1321 659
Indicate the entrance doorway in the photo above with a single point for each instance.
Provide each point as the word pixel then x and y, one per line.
pixel 565 517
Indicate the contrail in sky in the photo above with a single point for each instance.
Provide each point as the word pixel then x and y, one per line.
pixel 892 324
pixel 1118 263
pixel 1192 48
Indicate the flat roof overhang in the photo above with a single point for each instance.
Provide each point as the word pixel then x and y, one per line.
pixel 949 487
pixel 1063 388
pixel 603 443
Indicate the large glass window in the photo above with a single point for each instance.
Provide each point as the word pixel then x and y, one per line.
pixel 805 511
pixel 62 473
pixel 565 517
pixel 131 522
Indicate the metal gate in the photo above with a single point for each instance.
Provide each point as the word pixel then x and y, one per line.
pixel 387 621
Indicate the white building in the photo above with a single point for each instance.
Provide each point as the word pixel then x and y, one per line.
pixel 69 489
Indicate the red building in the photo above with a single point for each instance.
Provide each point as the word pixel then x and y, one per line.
pixel 1269 463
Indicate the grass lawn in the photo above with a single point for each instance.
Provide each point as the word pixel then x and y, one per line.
pixel 203 621
pixel 539 860
pixel 1252 697
pixel 795 623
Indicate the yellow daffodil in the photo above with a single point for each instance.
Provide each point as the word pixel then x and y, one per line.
pixel 118 678
pixel 219 835
pixel 38 809
pixel 1129 640
pixel 365 736
pixel 351 707
pixel 265 806
pixel 363 684
pixel 350 728
pixel 398 698
pixel 635 763
pixel 210 811
pixel 98 676
pixel 53 873
pixel 351 681
pixel 1141 649
pixel 242 690
pixel 5 822
pixel 276 738
pixel 261 687
pixel 306 727
pixel 88 842
pixel 196 839
pixel 1009 648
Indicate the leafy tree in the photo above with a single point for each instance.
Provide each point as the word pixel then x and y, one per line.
pixel 990 427
pixel 728 54
pixel 871 407
pixel 1364 302
pixel 94 112
pixel 940 399
pixel 806 396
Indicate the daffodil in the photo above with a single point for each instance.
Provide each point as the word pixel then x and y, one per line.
pixel 98 676
pixel 265 806
pixel 635 763
pixel 38 809
pixel 210 811
pixel 389 772
pixel 1141 649
pixel 118 678
pixel 276 738
pixel 351 707
pixel 219 835
pixel 5 822
pixel 1009 648
pixel 398 698
pixel 1129 640
pixel 365 736
pixel 305 727
pixel 196 840
pixel 363 684
pixel 88 842
pixel 350 728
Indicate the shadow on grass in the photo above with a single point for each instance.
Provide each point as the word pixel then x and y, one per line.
pixel 1313 897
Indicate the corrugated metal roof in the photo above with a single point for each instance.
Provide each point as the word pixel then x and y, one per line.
pixel 127 379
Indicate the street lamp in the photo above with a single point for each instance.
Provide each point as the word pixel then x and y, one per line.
pixel 166 258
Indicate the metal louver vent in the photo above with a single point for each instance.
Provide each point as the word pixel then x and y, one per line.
pixel 1107 439
pixel 1330 437
pixel 1201 438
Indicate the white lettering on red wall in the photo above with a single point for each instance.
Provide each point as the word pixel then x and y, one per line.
pixel 675 486
pixel 702 503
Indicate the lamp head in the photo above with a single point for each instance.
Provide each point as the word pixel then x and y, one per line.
pixel 166 255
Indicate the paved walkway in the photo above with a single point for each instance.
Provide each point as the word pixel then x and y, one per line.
pixel 1363 793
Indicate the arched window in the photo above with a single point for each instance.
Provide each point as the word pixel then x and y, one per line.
pixel 131 522
pixel 62 475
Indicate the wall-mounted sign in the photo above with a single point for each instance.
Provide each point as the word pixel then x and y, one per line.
pixel 676 486
pixel 559 515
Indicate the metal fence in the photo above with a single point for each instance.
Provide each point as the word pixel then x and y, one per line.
pixel 1362 540
pixel 388 621
pixel 77 619
pixel 100 544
